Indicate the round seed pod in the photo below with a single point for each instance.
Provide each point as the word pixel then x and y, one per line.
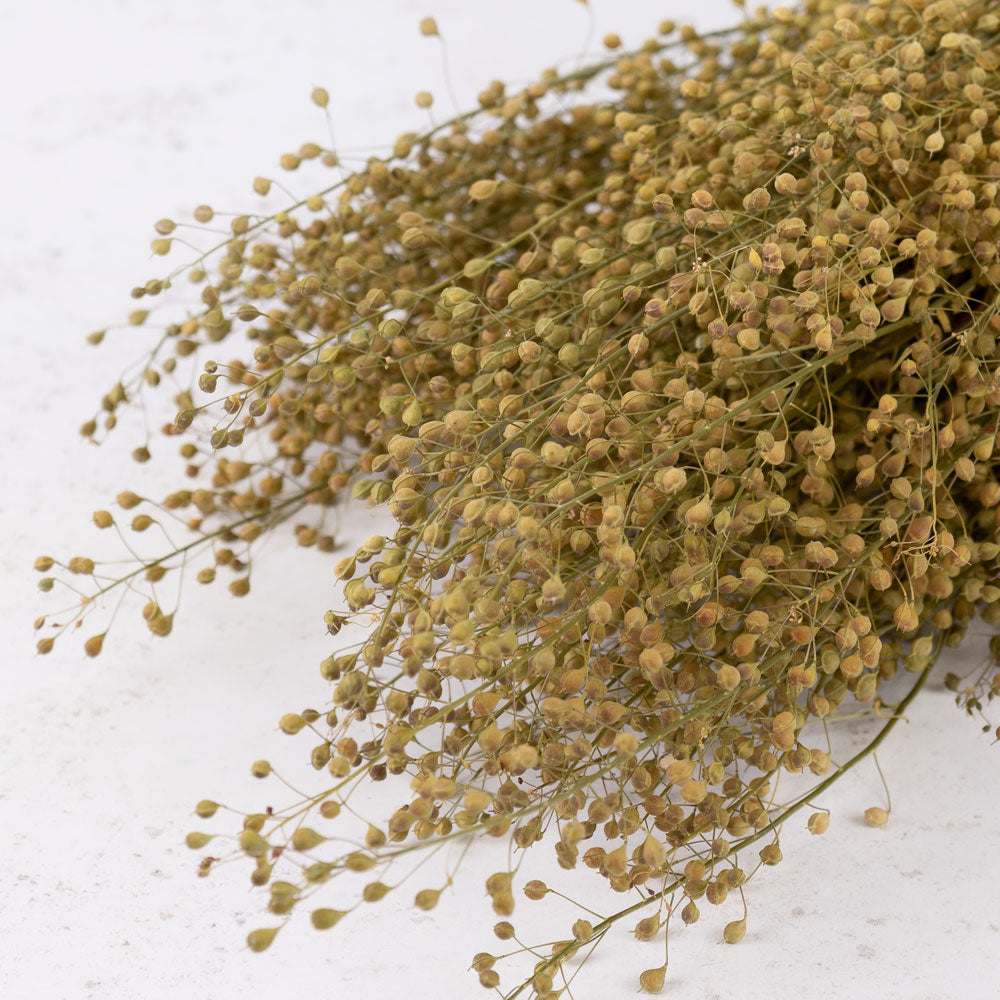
pixel 876 816
pixel 734 931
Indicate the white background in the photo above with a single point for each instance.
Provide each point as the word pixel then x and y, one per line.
pixel 115 114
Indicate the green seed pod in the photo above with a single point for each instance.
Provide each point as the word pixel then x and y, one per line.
pixel 427 899
pixel 652 980
pixel 647 928
pixel 291 723
pixel 253 843
pixel 260 939
pixel 734 931
pixel 305 839
pixel 374 891
pixel 323 919
pixel 358 862
pixel 94 645
pixel 261 874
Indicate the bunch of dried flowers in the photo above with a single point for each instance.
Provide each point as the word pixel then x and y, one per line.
pixel 684 404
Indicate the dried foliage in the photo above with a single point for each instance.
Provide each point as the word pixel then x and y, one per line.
pixel 684 404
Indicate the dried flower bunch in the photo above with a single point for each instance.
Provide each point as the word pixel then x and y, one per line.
pixel 684 403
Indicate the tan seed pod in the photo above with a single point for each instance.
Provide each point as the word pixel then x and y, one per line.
pixel 818 823
pixel 734 931
pixel 94 645
pixel 876 816
pixel 652 980
pixel 481 190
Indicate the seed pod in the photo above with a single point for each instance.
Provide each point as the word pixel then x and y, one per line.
pixel 93 646
pixel 734 931
pixel 324 918
pixel 652 980
pixel 427 899
pixel 260 939
pixel 254 844
pixel 482 189
pixel 694 791
pixel 534 889
pixel 647 928
pixel 640 231
pixel 699 515
pixel 728 677
pixel 934 143
pixel 654 853
pixel 818 823
pixel 374 891
pixel 770 854
pixel 906 618
pixel 876 816
pixel 305 839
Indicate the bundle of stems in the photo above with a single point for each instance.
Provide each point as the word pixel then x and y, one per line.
pixel 683 402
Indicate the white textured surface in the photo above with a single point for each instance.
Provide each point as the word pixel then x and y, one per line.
pixel 114 115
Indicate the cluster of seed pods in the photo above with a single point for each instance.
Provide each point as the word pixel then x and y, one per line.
pixel 684 403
